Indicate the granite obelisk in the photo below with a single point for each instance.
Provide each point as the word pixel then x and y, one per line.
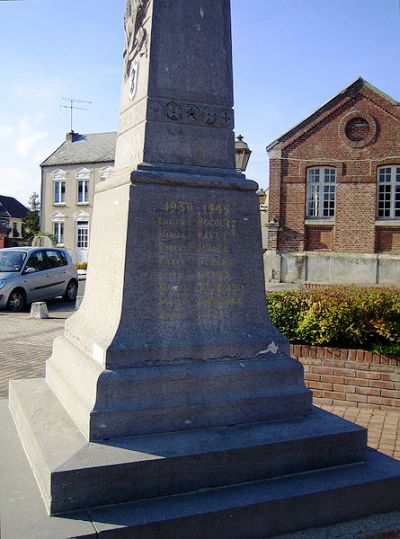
pixel 175 279
pixel 154 419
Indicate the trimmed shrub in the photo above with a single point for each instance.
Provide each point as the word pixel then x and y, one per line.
pixel 342 316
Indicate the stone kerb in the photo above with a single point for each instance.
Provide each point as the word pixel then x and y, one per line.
pixel 353 377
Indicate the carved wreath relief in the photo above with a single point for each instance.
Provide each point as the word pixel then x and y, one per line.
pixel 190 113
pixel 136 39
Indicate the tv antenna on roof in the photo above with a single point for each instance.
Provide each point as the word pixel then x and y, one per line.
pixel 72 106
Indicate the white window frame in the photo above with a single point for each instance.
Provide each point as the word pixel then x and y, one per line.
pixel 59 188
pixel 82 179
pixel 82 226
pixel 58 232
pixel 388 192
pixel 105 173
pixel 321 192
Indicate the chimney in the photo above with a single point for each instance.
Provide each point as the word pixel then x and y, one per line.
pixel 70 136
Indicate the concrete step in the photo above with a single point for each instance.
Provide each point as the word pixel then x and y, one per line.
pixel 261 509
pixel 258 509
pixel 74 474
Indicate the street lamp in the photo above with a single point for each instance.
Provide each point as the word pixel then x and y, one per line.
pixel 242 154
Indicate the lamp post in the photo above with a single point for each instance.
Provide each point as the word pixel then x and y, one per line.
pixel 242 154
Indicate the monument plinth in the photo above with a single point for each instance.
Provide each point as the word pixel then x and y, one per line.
pixel 171 406
pixel 175 288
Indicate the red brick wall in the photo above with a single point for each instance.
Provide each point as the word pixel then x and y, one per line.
pixel 319 141
pixel 388 240
pixel 319 238
pixel 350 377
pixel 355 217
pixel 292 206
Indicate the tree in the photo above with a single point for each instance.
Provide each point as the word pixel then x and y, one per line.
pixel 30 223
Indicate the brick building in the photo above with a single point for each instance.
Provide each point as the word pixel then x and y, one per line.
pixel 334 197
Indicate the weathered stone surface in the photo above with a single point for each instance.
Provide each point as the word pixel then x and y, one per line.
pixel 70 471
pixel 192 287
pixel 332 268
pixel 184 287
pixel 181 111
pixel 255 509
pixel 163 398
pixel 23 513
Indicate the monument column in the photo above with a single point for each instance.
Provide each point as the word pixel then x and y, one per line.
pixel 175 286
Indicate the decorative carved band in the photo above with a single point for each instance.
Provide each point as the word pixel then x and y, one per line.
pixel 190 113
pixel 136 38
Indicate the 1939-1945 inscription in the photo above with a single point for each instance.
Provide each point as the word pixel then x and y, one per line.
pixel 196 243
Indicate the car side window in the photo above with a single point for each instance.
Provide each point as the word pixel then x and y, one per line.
pixel 37 261
pixel 54 259
pixel 63 257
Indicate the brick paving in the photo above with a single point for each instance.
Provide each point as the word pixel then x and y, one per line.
pixel 383 426
pixel 26 343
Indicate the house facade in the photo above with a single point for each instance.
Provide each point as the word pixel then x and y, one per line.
pixel 69 178
pixel 12 213
pixel 334 197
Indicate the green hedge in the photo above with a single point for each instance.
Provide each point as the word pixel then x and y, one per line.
pixel 342 316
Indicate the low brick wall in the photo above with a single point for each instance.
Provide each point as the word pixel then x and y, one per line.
pixel 350 377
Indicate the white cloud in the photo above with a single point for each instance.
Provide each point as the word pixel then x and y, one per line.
pixel 29 136
pixel 18 183
pixel 5 131
pixel 25 144
pixel 36 91
pixel 11 180
pixel 40 157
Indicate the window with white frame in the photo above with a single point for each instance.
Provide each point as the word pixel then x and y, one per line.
pixel 105 173
pixel 82 178
pixel 58 232
pixel 82 234
pixel 321 192
pixel 389 192
pixel 59 187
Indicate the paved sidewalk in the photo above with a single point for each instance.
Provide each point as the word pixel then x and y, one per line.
pixel 26 344
pixel 383 426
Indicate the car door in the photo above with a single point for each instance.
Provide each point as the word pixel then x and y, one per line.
pixel 35 278
pixel 56 273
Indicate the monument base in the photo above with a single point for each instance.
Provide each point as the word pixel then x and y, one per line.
pixel 280 495
pixel 107 403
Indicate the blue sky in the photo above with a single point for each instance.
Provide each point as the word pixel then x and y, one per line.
pixel 290 57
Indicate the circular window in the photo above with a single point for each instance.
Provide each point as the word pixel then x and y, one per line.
pixel 357 129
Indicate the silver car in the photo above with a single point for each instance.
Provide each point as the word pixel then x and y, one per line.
pixel 29 274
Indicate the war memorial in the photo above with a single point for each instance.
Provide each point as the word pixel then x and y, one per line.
pixel 171 406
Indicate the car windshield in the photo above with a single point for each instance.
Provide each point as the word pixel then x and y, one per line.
pixel 11 260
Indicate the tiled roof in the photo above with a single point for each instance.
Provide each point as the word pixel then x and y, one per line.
pixel 4 219
pixel 12 207
pixel 92 148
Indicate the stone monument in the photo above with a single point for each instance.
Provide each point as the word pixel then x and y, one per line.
pixel 171 405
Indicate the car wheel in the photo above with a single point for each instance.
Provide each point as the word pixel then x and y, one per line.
pixel 71 291
pixel 17 301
